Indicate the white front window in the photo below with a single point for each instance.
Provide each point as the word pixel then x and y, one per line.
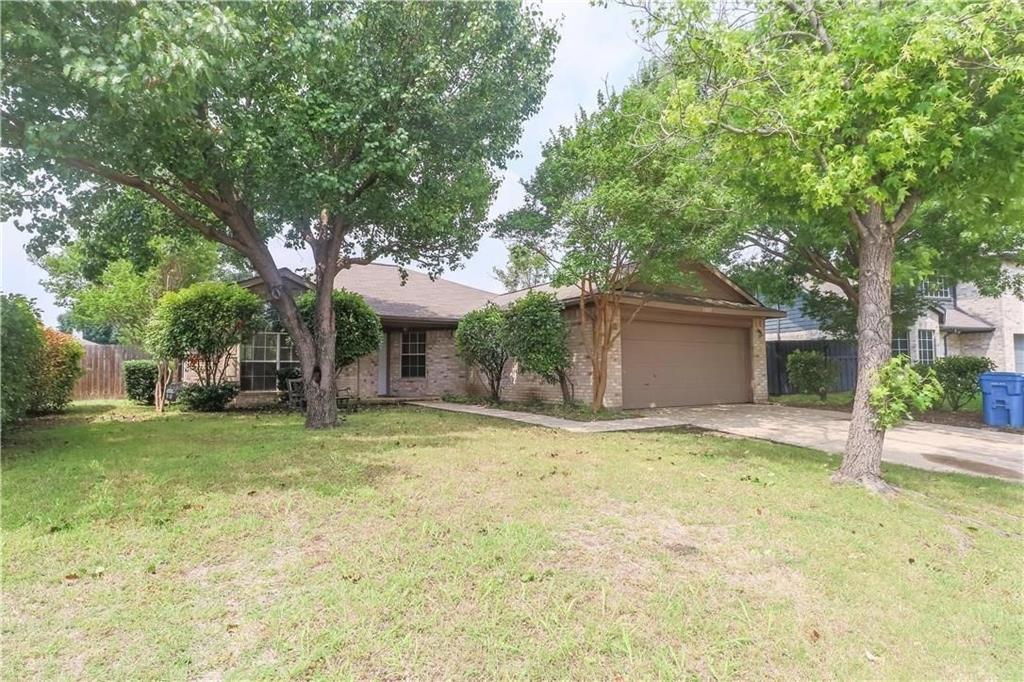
pixel 926 346
pixel 938 287
pixel 261 358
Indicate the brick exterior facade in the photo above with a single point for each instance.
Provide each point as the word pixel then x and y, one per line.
pixel 758 364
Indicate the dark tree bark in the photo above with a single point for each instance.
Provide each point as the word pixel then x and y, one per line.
pixel 566 386
pixel 862 459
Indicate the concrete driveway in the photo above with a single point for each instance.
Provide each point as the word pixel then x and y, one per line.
pixel 922 445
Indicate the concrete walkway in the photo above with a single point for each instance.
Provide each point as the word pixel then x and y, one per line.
pixel 603 426
pixel 933 447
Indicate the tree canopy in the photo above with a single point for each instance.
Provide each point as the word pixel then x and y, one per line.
pixel 836 125
pixel 525 268
pixel 358 130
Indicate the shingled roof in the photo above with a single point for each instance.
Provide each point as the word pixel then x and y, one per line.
pixel 418 299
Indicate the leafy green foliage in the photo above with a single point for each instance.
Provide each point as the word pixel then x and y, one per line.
pixel 958 377
pixel 525 268
pixel 482 339
pixel 140 378
pixel 809 371
pixel 59 369
pixel 359 130
pixel 605 195
pixel 202 323
pixel 122 296
pixel 538 335
pixel 358 327
pixel 899 391
pixel 207 397
pixel 22 347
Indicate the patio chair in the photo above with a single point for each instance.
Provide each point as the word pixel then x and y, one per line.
pixel 296 395
pixel 347 401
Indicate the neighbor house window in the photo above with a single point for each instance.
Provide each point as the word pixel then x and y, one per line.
pixel 261 358
pixel 901 343
pixel 926 346
pixel 938 287
pixel 414 354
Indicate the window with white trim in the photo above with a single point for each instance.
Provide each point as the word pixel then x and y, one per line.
pixel 901 343
pixel 262 356
pixel 414 354
pixel 938 287
pixel 926 346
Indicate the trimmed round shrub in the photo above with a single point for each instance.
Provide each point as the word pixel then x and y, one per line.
pixel 59 370
pixel 22 344
pixel 358 326
pixel 809 371
pixel 140 380
pixel 958 376
pixel 211 398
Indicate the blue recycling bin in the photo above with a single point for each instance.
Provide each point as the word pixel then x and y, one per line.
pixel 1002 398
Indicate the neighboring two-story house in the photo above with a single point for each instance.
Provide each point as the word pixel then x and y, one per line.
pixel 959 320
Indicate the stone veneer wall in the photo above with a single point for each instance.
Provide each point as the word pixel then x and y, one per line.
pixel 1005 313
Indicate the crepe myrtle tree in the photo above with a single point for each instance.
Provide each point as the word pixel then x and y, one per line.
pixel 838 122
pixel 357 130
pixel 616 215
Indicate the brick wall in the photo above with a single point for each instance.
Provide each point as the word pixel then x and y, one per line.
pixel 758 363
pixel 446 373
pixel 522 386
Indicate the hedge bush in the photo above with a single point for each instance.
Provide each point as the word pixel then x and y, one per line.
pixel 23 345
pixel 211 398
pixel 358 326
pixel 140 380
pixel 809 371
pixel 59 369
pixel 958 376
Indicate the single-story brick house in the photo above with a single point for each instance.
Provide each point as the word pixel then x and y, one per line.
pixel 704 345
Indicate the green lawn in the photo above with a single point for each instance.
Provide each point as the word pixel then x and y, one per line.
pixel 415 543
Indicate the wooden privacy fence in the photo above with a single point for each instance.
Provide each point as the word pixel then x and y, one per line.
pixel 843 354
pixel 103 376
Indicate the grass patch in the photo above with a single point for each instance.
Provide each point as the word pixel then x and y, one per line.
pixel 426 544
pixel 575 411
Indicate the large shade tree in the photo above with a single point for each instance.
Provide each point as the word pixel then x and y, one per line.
pixel 357 130
pixel 839 121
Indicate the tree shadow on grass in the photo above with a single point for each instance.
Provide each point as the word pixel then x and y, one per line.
pixel 155 469
pixel 738 448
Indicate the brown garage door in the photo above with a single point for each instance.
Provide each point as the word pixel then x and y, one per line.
pixel 666 364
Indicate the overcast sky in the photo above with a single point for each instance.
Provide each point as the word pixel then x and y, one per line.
pixel 598 46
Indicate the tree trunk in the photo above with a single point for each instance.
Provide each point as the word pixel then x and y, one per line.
pixel 862 459
pixel 319 378
pixel 598 357
pixel 566 386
